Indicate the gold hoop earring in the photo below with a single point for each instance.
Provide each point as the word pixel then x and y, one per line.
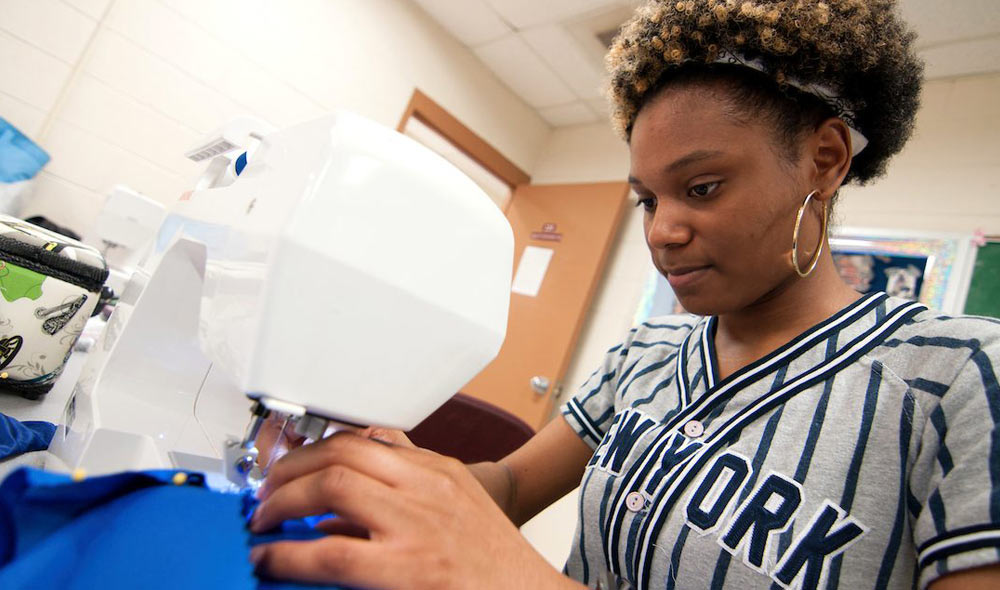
pixel 795 238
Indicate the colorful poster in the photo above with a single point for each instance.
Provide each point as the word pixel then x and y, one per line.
pixel 899 275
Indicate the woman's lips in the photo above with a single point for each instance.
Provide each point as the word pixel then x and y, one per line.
pixel 684 277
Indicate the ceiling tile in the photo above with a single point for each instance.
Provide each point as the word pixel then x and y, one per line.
pixel 93 8
pixel 962 59
pixel 529 13
pixel 600 107
pixel 569 114
pixel 472 22
pixel 939 22
pixel 546 52
pixel 567 59
pixel 524 72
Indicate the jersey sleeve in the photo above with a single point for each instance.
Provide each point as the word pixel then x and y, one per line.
pixel 955 478
pixel 590 411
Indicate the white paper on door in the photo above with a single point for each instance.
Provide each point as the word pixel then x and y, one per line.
pixel 531 271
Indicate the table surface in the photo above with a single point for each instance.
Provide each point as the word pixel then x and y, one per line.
pixel 49 408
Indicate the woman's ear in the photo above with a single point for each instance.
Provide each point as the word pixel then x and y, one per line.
pixel 830 153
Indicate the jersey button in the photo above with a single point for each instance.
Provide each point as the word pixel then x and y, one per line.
pixel 694 429
pixel 635 502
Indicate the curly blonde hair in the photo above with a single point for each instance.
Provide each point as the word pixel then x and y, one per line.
pixel 858 47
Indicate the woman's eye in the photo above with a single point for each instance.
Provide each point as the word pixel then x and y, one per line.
pixel 647 203
pixel 703 190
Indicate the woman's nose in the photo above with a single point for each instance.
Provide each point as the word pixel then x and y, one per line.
pixel 666 227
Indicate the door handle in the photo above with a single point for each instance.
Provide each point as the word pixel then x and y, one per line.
pixel 540 384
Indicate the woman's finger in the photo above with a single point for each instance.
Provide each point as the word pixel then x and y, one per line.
pixel 338 489
pixel 330 560
pixel 342 448
pixel 391 464
pixel 343 527
pixel 396 437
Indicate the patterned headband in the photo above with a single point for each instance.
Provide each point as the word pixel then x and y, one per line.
pixel 840 105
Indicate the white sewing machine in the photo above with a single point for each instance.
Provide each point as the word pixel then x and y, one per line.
pixel 347 274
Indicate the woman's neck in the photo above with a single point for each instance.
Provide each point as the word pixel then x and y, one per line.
pixel 751 333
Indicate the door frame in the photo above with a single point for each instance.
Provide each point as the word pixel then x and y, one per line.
pixel 430 113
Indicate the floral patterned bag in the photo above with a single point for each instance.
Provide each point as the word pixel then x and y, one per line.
pixel 49 287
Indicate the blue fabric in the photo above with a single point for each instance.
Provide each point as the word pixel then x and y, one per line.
pixel 299 529
pixel 130 530
pixel 20 437
pixel 20 158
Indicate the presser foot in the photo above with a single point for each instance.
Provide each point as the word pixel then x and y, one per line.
pixel 241 465
pixel 244 466
pixel 240 456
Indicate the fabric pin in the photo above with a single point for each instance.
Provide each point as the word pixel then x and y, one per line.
pixel 79 474
pixel 180 478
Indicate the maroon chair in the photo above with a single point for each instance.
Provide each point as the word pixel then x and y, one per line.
pixel 471 430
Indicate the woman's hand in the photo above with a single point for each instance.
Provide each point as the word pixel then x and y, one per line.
pixel 430 523
pixel 276 439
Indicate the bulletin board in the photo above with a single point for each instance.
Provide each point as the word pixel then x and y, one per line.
pixel 984 290
pixel 933 268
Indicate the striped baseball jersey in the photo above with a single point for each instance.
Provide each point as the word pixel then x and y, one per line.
pixel 865 453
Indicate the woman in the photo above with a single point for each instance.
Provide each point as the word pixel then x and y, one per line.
pixel 796 435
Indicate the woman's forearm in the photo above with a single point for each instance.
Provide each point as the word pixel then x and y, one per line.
pixel 531 478
pixel 498 481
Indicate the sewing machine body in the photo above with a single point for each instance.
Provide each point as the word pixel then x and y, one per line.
pixel 347 271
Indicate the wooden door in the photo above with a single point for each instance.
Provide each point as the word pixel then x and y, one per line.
pixel 577 223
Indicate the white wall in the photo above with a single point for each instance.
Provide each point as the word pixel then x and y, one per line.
pixel 948 176
pixel 117 90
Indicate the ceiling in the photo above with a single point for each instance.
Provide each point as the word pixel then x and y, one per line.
pixel 550 52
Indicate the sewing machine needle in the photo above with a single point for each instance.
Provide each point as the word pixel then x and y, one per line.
pixel 274 453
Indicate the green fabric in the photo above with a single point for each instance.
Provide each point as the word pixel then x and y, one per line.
pixel 17 282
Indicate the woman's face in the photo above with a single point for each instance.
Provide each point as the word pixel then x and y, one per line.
pixel 720 199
